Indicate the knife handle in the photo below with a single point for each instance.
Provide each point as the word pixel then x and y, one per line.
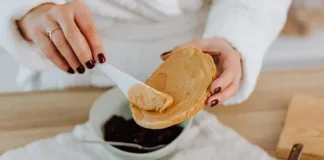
pixel 296 152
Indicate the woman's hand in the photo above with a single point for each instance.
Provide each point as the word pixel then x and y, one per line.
pixel 228 61
pixel 65 34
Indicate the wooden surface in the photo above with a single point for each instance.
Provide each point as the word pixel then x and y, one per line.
pixel 260 119
pixel 28 117
pixel 305 125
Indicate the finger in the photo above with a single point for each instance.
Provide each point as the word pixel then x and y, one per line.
pixel 49 49
pixel 64 47
pixel 227 93
pixel 91 34
pixel 73 35
pixel 206 45
pixel 228 75
pixel 209 46
pixel 194 43
pixel 164 56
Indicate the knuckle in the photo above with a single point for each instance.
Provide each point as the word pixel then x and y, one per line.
pixel 71 34
pixel 78 5
pixel 194 41
pixel 46 18
pixel 77 2
pixel 35 31
pixel 61 42
pixel 197 42
pixel 203 43
pixel 59 11
pixel 91 31
pixel 50 54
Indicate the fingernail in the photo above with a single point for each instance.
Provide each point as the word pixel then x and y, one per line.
pixel 90 64
pixel 214 103
pixel 81 69
pixel 70 70
pixel 217 90
pixel 165 53
pixel 101 58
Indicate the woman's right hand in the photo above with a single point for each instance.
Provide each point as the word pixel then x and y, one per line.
pixel 74 41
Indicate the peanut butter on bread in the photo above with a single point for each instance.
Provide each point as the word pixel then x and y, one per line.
pixel 186 76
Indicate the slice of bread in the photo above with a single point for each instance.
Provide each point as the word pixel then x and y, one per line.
pixel 186 76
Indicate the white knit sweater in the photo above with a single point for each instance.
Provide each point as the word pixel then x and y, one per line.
pixel 136 32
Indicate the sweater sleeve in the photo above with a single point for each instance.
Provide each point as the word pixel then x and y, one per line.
pixel 12 41
pixel 250 26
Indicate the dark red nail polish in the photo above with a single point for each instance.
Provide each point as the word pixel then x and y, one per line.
pixel 214 103
pixel 217 90
pixel 165 53
pixel 101 58
pixel 90 64
pixel 81 69
pixel 70 70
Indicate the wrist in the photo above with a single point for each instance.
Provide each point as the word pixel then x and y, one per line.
pixel 28 20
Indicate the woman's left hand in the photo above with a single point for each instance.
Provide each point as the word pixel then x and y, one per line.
pixel 228 61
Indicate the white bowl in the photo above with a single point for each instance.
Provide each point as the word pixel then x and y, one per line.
pixel 114 102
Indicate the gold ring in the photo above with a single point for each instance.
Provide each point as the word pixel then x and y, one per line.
pixel 49 33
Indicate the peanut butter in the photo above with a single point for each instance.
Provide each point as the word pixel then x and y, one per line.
pixel 149 99
pixel 186 76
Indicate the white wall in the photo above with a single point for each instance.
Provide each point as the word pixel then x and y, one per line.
pixel 8 71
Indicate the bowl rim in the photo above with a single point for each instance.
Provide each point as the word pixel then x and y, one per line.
pixel 138 155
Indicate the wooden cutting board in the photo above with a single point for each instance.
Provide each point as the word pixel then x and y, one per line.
pixel 304 124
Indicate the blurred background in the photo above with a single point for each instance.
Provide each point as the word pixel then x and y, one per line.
pixel 300 45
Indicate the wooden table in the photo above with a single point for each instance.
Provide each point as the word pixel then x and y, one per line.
pixel 32 116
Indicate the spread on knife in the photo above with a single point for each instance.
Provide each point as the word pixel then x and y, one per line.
pixel 147 98
pixel 186 76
